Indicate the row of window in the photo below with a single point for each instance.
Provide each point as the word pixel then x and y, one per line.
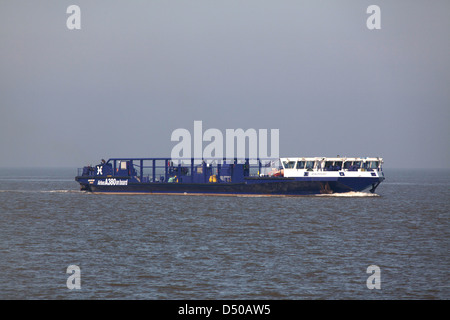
pixel 331 165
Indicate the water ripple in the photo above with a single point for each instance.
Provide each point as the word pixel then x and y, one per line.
pixel 163 247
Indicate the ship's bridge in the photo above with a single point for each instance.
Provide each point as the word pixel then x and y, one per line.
pixel 298 166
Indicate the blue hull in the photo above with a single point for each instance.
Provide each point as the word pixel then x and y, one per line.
pixel 251 186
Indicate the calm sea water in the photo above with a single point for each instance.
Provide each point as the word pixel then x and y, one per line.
pixel 192 247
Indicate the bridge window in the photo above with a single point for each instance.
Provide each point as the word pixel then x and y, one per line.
pixel 310 164
pixel 373 165
pixel 333 165
pixel 352 165
pixel 289 164
pixel 301 165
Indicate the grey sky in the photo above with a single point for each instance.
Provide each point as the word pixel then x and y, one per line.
pixel 137 70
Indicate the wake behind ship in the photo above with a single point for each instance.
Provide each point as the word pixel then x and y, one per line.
pixel 284 176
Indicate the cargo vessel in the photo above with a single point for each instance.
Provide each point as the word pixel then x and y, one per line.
pixel 292 176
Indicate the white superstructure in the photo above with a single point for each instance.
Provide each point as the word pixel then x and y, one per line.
pixel 332 167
